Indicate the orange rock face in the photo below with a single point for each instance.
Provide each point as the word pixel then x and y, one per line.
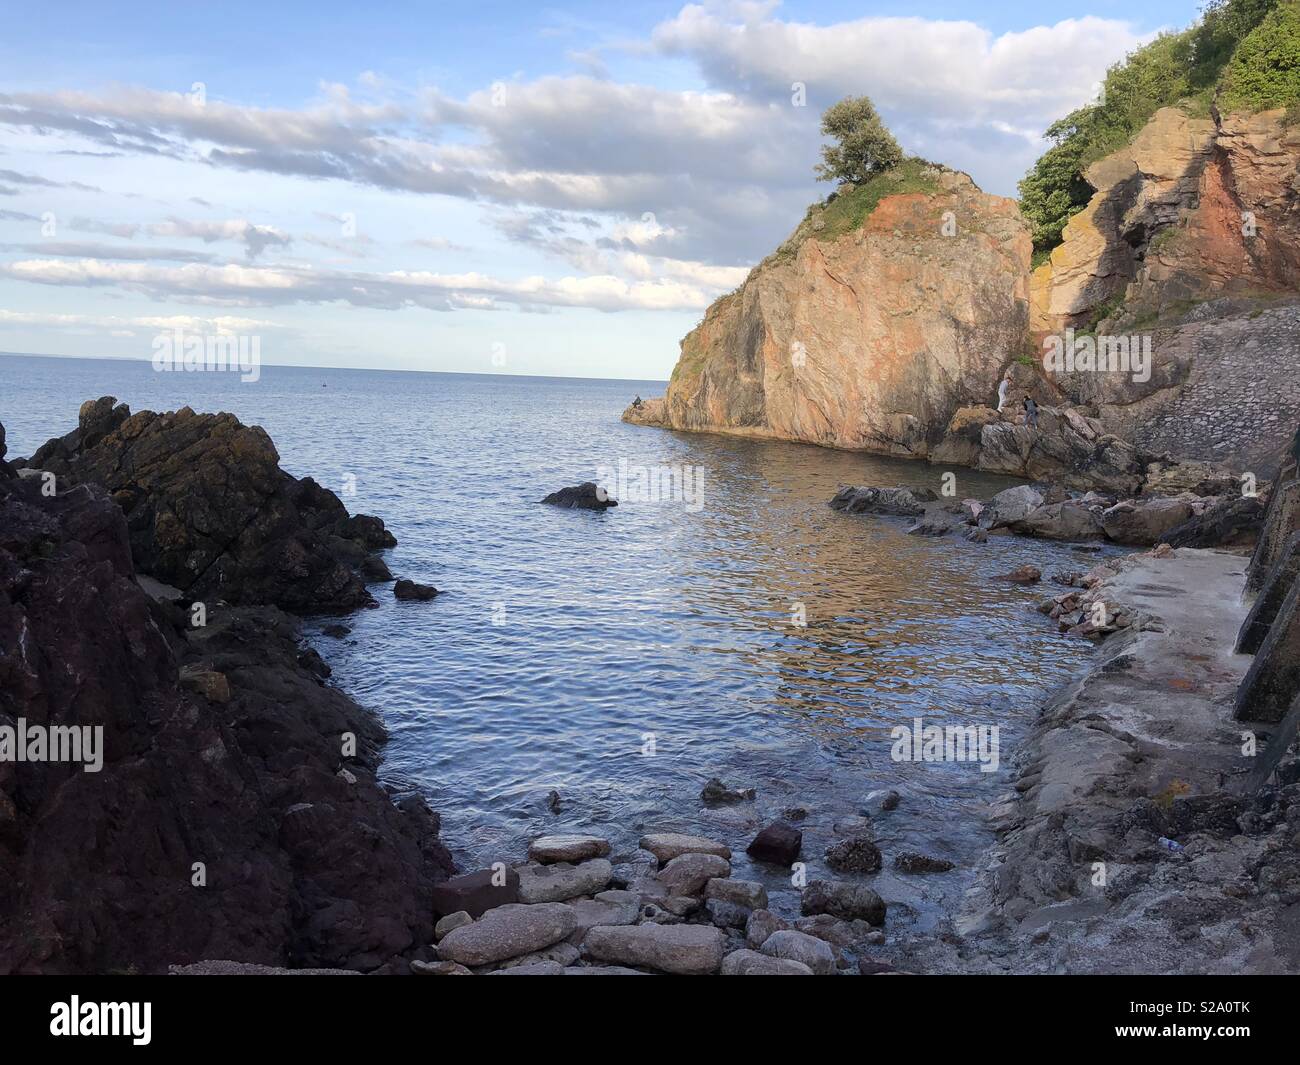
pixel 870 340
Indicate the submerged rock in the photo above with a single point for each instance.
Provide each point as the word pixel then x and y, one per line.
pixel 716 793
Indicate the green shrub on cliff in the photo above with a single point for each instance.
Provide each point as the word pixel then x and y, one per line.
pixel 863 145
pixel 1174 69
pixel 1264 71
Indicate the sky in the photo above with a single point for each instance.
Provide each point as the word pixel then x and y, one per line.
pixel 483 188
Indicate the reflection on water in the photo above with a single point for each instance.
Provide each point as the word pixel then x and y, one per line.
pixel 622 658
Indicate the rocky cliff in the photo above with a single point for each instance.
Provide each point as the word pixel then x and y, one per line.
pixel 1192 239
pixel 227 815
pixel 878 319
pixel 890 334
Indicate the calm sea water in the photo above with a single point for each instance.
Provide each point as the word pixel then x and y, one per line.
pixel 623 658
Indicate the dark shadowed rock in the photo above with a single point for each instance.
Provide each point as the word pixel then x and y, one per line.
pixel 1281 522
pixel 1272 683
pixel 409 590
pixel 209 511
pixel 778 844
pixel 1234 521
pixel 304 865
pixel 1255 629
pixel 585 496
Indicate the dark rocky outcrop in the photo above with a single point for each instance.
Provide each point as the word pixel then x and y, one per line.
pixel 231 817
pixel 1268 604
pixel 585 496
pixel 405 589
pixel 209 511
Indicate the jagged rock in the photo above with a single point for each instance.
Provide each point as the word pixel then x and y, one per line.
pixel 716 793
pixel 329 873
pixel 585 496
pixel 1272 683
pixel 206 682
pixel 1281 522
pixel 1230 522
pixel 688 873
pixel 754 963
pixel 842 899
pixel 1009 505
pixel 911 862
pixel 405 589
pixel 803 948
pixel 1060 521
pixel 549 849
pixel 1255 629
pixel 1145 522
pixel 555 883
pixel 858 854
pixel 477 892
pixel 960 445
pixel 209 510
pixel 778 844
pixel 668 845
pixel 688 950
pixel 901 501
pixel 507 932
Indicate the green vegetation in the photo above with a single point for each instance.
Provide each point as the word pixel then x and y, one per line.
pixel 1176 69
pixel 1264 71
pixel 863 145
pixel 850 207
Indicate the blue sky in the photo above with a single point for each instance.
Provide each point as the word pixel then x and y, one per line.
pixel 486 188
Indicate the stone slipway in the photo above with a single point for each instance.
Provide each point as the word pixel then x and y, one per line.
pixel 1142 746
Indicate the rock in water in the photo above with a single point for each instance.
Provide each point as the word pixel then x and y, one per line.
pixel 405 589
pixel 911 862
pixel 209 511
pixel 1022 575
pixel 716 793
pixel 856 855
pixel 585 496
pixel 844 900
pixel 668 845
pixel 778 844
pixel 548 849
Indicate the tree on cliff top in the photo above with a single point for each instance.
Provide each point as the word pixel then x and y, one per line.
pixel 864 146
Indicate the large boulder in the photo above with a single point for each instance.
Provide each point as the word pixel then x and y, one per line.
pixel 1060 521
pixel 1009 505
pixel 842 899
pixel 507 932
pixel 209 511
pixel 684 949
pixel 1146 522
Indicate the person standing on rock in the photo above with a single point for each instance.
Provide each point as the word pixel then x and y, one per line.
pixel 1003 387
pixel 1031 413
